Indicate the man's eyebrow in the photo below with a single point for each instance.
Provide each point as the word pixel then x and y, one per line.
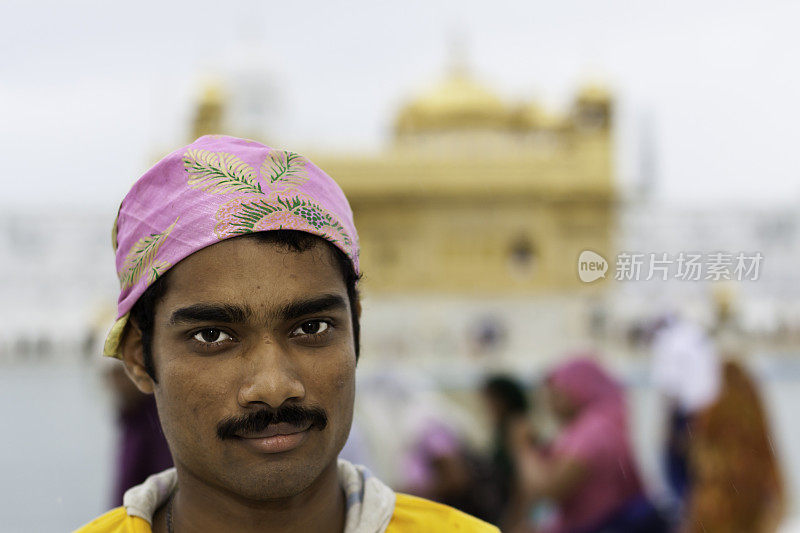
pixel 229 314
pixel 327 302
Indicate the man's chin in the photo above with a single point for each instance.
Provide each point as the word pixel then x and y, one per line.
pixel 263 477
pixel 267 483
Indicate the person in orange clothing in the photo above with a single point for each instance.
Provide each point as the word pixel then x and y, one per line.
pixel 239 312
pixel 738 484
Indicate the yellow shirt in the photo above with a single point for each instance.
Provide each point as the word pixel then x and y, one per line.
pixel 411 514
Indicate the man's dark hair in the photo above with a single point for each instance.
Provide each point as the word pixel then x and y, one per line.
pixel 143 311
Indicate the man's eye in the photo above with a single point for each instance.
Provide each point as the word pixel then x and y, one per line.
pixel 211 335
pixel 312 327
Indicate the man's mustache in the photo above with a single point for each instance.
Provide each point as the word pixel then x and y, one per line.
pixel 259 420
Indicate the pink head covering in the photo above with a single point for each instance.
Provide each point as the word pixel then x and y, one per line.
pixel 586 384
pixel 597 437
pixel 216 188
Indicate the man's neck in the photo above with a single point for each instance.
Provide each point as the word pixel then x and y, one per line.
pixel 197 506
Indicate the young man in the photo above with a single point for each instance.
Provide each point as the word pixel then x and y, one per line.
pixel 239 311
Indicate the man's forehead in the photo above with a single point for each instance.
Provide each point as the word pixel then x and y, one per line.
pixel 261 278
pixel 248 258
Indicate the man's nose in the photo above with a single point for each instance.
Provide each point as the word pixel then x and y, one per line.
pixel 271 377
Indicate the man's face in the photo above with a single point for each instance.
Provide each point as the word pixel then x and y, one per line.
pixel 249 327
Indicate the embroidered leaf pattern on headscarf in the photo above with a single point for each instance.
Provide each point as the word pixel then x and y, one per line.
pixel 313 214
pixel 284 168
pixel 141 258
pixel 245 218
pixel 248 215
pixel 219 172
pixel 156 270
pixel 271 207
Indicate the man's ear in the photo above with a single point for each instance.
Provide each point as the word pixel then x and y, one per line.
pixel 133 357
pixel 358 307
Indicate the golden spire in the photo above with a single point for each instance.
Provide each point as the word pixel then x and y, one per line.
pixel 209 114
pixel 456 102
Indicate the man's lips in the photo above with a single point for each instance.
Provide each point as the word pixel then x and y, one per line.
pixel 276 438
pixel 274 430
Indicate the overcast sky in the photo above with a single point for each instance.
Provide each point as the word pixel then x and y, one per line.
pixel 92 92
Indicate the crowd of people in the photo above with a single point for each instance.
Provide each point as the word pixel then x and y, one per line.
pixel 718 462
pixel 717 456
pixel 583 478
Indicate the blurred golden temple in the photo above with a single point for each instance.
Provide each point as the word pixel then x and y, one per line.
pixel 475 195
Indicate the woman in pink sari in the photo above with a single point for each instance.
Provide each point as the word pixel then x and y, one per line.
pixel 589 470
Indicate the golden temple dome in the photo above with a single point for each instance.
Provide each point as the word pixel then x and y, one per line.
pixel 458 102
pixel 531 116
